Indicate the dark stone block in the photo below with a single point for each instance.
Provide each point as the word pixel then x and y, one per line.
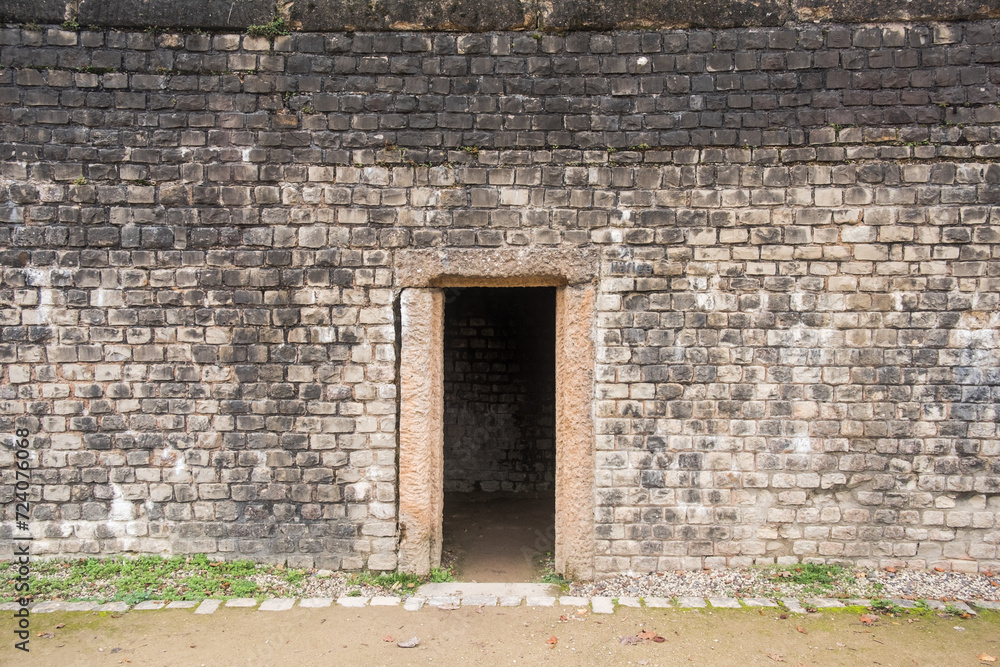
pixel 361 15
pixel 606 15
pixel 209 14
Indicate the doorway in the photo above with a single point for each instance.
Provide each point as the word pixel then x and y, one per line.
pixel 424 277
pixel 499 432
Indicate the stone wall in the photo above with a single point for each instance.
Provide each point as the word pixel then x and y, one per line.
pixel 499 390
pixel 797 337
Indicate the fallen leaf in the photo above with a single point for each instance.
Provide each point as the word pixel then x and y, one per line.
pixel 630 640
pixel 448 607
pixel 60 626
pixel 388 638
pixel 646 634
pixel 776 657
pixel 986 657
pixel 412 642
pixel 783 616
pixel 939 569
pixel 868 619
pixel 564 618
pixel 46 635
pixel 890 569
pixel 552 641
pixel 801 629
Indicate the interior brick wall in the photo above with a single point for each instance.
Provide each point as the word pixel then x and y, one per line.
pixel 499 390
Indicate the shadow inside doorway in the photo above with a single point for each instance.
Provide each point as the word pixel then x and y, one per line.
pixel 498 537
pixel 499 432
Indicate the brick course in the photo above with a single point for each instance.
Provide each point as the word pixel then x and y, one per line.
pixel 797 335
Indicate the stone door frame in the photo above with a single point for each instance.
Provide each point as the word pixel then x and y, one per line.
pixel 422 275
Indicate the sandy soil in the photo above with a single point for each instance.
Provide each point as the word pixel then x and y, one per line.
pixel 498 537
pixel 497 636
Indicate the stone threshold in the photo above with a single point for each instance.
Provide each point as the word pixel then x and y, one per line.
pixel 503 595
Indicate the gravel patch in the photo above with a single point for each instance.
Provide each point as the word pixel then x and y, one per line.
pixel 773 583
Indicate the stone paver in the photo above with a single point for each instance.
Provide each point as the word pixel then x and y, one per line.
pixel 793 605
pixel 277 604
pixel 414 604
pixel 150 605
pixel 208 606
pixel 453 588
pixel 112 606
pixel 80 606
pixel 479 601
pixel 443 601
pixel 385 601
pixel 572 601
pixel 936 605
pixel 629 602
pixel 724 603
pixel 759 602
pixel 315 603
pixel 603 605
pixel 690 602
pixel 511 600
pixel 905 604
pixel 823 603
pixel 540 601
pixel 182 604
pixel 9 606
pixel 241 602
pixel 958 604
pixel 987 604
pixel 345 601
pixel 657 602
pixel 47 607
pixel 858 602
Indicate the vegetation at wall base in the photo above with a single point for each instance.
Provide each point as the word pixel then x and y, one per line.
pixel 196 577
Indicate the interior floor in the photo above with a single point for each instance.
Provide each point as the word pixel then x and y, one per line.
pixel 498 537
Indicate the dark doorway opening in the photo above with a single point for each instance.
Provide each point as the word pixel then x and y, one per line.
pixel 499 432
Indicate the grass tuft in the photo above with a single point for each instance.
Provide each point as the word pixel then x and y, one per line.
pixel 271 30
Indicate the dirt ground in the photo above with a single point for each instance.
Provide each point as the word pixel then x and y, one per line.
pixel 498 537
pixel 497 636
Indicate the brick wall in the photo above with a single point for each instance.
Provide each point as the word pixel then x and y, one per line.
pixel 797 337
pixel 499 390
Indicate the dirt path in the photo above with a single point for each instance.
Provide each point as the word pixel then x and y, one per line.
pixel 497 636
